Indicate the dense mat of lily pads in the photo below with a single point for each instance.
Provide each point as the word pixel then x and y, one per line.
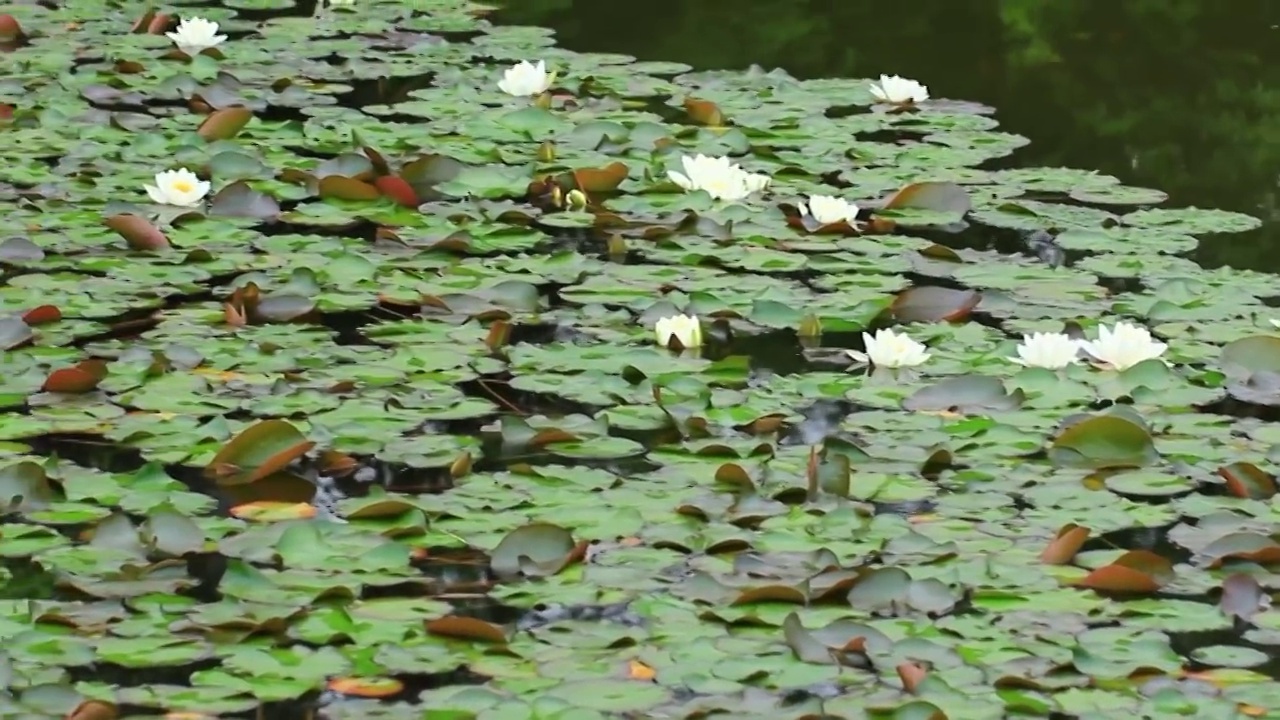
pixel 380 362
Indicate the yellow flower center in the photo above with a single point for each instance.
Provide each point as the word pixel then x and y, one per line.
pixel 184 186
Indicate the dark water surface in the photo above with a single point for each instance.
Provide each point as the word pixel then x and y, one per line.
pixel 1180 95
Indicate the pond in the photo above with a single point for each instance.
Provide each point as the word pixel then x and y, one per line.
pixel 1175 95
pixel 355 366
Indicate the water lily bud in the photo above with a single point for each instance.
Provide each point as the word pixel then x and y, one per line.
pixel 810 326
pixel 684 329
pixel 576 200
pixel 616 246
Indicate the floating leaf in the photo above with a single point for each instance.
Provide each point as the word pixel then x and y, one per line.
pixel 137 232
pixel 1137 571
pixel 345 188
pixel 1064 546
pixel 771 593
pixel 224 124
pixel 967 394
pixel 10 30
pixel 1242 546
pixel 1258 353
pixel 273 511
pixel 366 687
pixel 880 588
pixel 840 643
pixel 704 112
pixel 911 676
pixel 1242 597
pixel 239 199
pixel 41 315
pixel 94 710
pixel 398 189
pixel 467 628
pixel 81 378
pixel 536 549
pixel 172 533
pixel 1246 480
pixel 637 670
pixel 931 303
pixel 945 197
pixel 258 451
pixel 283 308
pixel 602 179
pixel 1103 441
pixel 24 487
pixel 20 250
pixel 14 333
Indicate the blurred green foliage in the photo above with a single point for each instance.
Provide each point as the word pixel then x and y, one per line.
pixel 1182 95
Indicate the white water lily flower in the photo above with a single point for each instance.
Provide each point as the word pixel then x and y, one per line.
pixel 684 328
pixel 1124 345
pixel 525 79
pixel 719 177
pixel 178 187
pixel 756 182
pixel 1275 322
pixel 828 209
pixel 899 90
pixel 195 35
pixel 1048 350
pixel 888 349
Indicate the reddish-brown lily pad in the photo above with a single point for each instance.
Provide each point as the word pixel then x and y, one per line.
pixel 81 378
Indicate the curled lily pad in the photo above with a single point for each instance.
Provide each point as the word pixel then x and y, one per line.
pixel 944 199
pixel 171 532
pixel 882 588
pixel 1103 441
pixel 1242 597
pixel 1065 544
pixel 225 124
pixel 1246 356
pixel 24 486
pixel 81 378
pixel 536 549
pixel 1137 571
pixel 398 189
pixel 704 112
pixel 931 303
pixel 966 394
pixel 258 451
pixel 468 628
pixel 347 188
pixel 283 307
pixel 1249 546
pixel 843 642
pixel 14 332
pixel 1247 480
pixel 137 232
pixel 238 199
pixel 600 179
pixel 20 250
